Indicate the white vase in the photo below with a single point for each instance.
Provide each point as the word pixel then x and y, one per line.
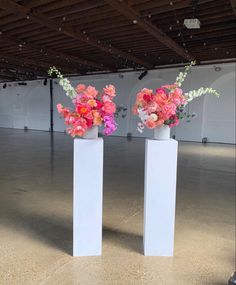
pixel 162 133
pixel 91 133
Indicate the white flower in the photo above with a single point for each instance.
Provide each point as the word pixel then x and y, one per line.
pixel 142 115
pixel 140 127
pixel 182 75
pixel 153 117
pixel 201 91
pixel 63 82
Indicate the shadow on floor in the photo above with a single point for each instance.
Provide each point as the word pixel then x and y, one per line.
pixel 126 240
pixel 58 233
pixel 55 232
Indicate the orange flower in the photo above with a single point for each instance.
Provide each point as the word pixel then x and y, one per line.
pixel 97 120
pixel 92 103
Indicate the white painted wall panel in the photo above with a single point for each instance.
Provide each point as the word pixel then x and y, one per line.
pixel 30 105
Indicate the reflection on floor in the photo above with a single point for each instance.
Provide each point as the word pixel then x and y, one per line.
pixel 36 215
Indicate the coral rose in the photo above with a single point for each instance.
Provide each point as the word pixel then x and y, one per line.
pixel 109 107
pixel 110 90
pixel 150 124
pixel 80 88
pixel 91 92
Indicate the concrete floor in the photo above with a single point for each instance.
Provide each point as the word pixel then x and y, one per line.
pixel 36 215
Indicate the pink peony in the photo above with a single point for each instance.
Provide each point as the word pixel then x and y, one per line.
pixel 152 107
pixel 178 92
pixel 80 88
pixel 110 90
pixel 109 107
pixel 91 92
pixel 168 110
pixel 106 98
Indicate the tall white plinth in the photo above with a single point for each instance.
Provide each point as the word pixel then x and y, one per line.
pixel 159 197
pixel 87 197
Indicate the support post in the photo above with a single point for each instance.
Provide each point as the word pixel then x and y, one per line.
pixel 159 197
pixel 51 105
pixel 87 197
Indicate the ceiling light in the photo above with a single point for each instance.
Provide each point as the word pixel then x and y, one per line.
pixel 192 23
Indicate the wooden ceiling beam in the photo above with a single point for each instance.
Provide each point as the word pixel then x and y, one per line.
pixel 15 8
pixel 4 78
pixel 53 53
pixel 8 73
pixel 16 67
pixel 76 8
pixel 30 62
pixel 133 15
pixel 233 4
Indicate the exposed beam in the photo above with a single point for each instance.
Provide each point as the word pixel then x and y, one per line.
pixel 4 78
pixel 53 53
pixel 29 62
pixel 7 75
pixel 24 11
pixel 147 26
pixel 17 67
pixel 233 4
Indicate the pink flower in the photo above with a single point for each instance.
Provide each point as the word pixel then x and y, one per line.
pixel 91 92
pixel 146 91
pixel 168 110
pixel 59 108
pixel 152 107
pixel 178 92
pixel 80 88
pixel 110 125
pixel 109 107
pixel 150 124
pixel 160 122
pixel 106 98
pixel 90 110
pixel 161 91
pixel 110 90
pixel 175 121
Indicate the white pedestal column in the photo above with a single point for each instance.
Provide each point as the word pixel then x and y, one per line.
pixel 87 197
pixel 159 197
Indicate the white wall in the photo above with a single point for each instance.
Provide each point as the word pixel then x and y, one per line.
pixel 22 106
pixel 215 117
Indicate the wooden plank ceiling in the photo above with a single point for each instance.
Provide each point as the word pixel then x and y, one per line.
pixel 84 36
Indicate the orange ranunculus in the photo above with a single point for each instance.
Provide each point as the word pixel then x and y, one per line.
pixel 150 124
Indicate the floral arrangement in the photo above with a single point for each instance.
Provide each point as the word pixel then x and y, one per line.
pixel 167 105
pixel 91 108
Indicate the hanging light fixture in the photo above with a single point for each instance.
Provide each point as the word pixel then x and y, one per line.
pixel 193 23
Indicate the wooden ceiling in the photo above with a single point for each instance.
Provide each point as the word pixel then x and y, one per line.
pixel 86 36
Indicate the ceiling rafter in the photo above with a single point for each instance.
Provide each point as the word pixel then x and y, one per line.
pixel 17 67
pixel 233 4
pixel 5 78
pixel 26 61
pixel 146 25
pixel 51 52
pixel 8 73
pixel 24 11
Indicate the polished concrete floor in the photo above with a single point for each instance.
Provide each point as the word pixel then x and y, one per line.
pixel 36 215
